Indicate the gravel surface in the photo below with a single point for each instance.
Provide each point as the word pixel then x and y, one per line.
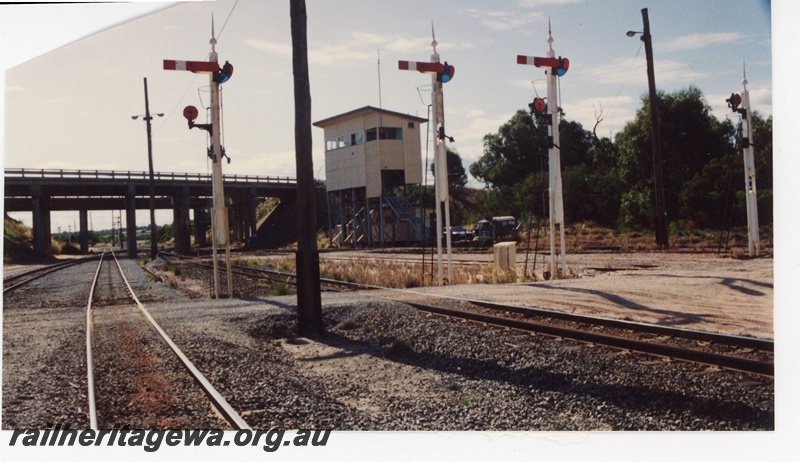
pixel 381 365
pixel 44 356
pixel 384 366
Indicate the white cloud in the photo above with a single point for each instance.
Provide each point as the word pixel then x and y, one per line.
pixel 626 71
pixel 539 3
pixel 279 49
pixel 356 48
pixel 695 41
pixel 503 20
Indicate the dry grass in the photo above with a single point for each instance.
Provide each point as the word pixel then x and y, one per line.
pixel 579 238
pixel 682 236
pixel 406 275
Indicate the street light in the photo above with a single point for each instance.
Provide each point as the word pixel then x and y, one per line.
pixel 147 118
pixel 662 237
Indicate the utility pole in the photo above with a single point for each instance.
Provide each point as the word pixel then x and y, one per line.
pixel 309 299
pixel 441 73
pixel 219 221
pixel 662 233
pixel 153 230
pixel 753 239
pixel 554 68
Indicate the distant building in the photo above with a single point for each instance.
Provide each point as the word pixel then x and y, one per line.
pixel 372 158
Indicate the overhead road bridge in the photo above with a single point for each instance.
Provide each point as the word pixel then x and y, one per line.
pixel 41 191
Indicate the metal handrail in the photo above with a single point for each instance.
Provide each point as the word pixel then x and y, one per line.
pixel 129 175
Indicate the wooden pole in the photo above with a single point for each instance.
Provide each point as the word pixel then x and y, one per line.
pixel 309 299
pixel 662 233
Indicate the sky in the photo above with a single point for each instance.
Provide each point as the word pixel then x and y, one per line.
pixel 69 99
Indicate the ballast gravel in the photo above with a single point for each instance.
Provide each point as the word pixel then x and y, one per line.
pixel 379 365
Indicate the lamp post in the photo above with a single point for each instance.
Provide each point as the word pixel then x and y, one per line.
pixel 147 119
pixel 662 236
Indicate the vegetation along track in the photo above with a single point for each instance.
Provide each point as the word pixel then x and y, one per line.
pixel 745 354
pixel 131 374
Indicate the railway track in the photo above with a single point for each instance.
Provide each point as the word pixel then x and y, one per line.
pixel 132 346
pixel 16 281
pixel 740 353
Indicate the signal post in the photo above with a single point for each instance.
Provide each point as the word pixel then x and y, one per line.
pixel 219 220
pixel 440 73
pixel 554 68
pixel 753 239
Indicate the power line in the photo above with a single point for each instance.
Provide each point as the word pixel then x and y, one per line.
pixel 226 20
pixel 626 80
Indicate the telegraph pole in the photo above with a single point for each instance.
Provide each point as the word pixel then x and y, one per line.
pixel 554 68
pixel 309 298
pixel 441 73
pixel 153 230
pixel 753 239
pixel 662 233
pixel 219 221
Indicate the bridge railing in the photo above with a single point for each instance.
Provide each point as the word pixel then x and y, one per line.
pixel 133 175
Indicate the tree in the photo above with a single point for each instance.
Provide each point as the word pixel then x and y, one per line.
pixel 456 174
pixel 514 165
pixel 695 149
pixel 511 154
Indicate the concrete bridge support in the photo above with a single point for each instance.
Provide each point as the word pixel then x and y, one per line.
pixel 41 222
pixel 180 222
pixel 84 226
pixel 250 218
pixel 202 223
pixel 130 220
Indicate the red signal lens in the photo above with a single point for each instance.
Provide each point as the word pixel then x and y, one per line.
pixel 539 105
pixel 190 112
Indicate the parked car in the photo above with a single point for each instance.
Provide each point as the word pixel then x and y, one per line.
pixel 496 227
pixel 458 233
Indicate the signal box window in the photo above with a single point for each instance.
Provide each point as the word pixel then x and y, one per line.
pixel 386 133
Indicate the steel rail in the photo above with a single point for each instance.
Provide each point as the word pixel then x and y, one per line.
pixel 89 349
pixel 689 334
pixel 216 398
pixel 39 272
pixel 714 359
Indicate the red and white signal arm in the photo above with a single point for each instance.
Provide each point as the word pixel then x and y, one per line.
pixel 421 66
pixel 207 67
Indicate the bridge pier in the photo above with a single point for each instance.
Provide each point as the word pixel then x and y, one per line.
pixel 251 221
pixel 41 222
pixel 130 219
pixel 235 220
pixel 84 230
pixel 202 223
pixel 180 221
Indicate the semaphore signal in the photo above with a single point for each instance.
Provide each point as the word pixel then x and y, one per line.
pixel 219 222
pixel 753 239
pixel 554 67
pixel 440 73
